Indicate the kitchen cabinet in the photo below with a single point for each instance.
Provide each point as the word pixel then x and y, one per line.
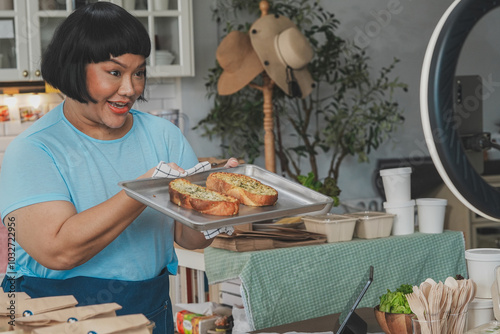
pixel 26 27
pixel 170 27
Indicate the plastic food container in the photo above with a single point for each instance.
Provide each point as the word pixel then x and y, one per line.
pixel 489 328
pixel 404 222
pixel 481 264
pixel 431 212
pixel 397 184
pixel 372 224
pixel 480 312
pixel 335 227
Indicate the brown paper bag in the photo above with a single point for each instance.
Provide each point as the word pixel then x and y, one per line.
pixel 17 308
pixel 79 313
pixel 6 297
pixel 125 324
pixel 6 300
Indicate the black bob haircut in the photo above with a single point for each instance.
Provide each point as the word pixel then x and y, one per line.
pixel 91 34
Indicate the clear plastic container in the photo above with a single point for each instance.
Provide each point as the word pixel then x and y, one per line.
pixel 489 328
pixel 372 224
pixel 335 227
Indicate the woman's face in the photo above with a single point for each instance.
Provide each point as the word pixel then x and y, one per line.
pixel 115 85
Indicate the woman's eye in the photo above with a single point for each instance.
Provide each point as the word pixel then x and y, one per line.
pixel 115 73
pixel 141 73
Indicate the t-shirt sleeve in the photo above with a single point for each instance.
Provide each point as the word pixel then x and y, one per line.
pixel 189 158
pixel 180 150
pixel 28 176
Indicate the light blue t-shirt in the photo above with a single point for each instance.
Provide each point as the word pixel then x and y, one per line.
pixel 53 161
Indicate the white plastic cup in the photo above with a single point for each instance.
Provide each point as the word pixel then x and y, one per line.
pixel 481 264
pixel 404 221
pixel 430 213
pixel 397 184
pixel 480 312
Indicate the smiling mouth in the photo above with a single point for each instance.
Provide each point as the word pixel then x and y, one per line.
pixel 118 104
pixel 119 107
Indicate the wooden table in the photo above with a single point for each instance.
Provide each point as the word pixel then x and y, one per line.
pixel 324 324
pixel 286 285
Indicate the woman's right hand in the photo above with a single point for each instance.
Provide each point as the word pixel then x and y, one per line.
pixel 150 172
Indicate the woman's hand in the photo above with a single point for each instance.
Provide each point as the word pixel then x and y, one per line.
pixel 174 166
pixel 150 172
pixel 231 162
pixel 189 238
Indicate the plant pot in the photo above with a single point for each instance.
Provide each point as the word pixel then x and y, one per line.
pixel 393 323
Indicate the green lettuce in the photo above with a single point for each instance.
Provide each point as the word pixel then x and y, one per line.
pixel 395 302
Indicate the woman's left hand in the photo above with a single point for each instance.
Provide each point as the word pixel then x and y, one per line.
pixel 231 162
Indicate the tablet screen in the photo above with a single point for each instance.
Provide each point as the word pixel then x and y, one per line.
pixel 356 297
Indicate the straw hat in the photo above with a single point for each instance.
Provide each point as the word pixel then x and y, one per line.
pixel 285 52
pixel 239 62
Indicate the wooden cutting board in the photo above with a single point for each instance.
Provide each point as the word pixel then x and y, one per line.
pixel 244 241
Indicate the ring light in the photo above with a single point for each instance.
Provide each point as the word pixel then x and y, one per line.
pixel 436 107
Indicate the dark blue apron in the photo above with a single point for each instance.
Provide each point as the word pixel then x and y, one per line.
pixel 149 297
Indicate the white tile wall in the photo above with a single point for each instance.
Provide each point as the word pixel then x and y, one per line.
pixel 161 95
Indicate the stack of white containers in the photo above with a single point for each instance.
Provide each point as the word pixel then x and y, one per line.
pixel 397 189
pixel 482 264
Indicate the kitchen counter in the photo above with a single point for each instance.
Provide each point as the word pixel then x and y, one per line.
pixel 286 285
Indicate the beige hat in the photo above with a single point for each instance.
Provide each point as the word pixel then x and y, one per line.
pixel 285 52
pixel 239 62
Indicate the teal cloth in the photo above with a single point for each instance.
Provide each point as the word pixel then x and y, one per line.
pixel 285 285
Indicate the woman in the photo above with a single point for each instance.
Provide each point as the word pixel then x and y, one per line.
pixel 76 231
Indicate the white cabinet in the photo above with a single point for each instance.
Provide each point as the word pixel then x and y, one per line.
pixel 14 40
pixel 27 26
pixel 170 26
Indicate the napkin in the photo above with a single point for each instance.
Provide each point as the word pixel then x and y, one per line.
pixel 164 170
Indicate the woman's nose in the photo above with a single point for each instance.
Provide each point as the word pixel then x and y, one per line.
pixel 126 87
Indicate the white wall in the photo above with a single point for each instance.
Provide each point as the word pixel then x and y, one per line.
pixel 390 28
pixel 194 101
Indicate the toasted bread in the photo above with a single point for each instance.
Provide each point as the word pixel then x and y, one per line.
pixel 246 189
pixel 192 196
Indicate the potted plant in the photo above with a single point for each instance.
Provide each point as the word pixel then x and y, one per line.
pixel 350 112
pixel 394 314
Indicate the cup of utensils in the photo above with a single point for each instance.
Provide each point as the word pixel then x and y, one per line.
pixel 441 308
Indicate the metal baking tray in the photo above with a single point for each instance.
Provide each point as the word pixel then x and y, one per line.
pixel 293 199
